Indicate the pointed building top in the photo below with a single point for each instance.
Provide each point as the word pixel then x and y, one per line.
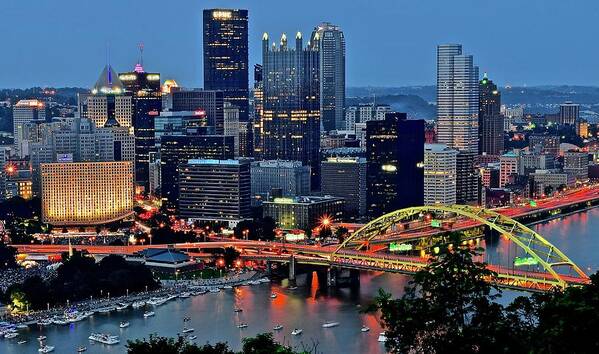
pixel 108 82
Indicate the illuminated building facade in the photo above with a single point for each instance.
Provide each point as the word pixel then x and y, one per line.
pixel 226 56
pixel 345 177
pixel 231 124
pixel 86 193
pixel 439 175
pixel 331 42
pixel 108 105
pixel 490 120
pixel 290 120
pixel 17 179
pixel 395 154
pixel 569 113
pixel 215 190
pixel 303 212
pixel 280 178
pixel 26 111
pixel 144 88
pixel 211 103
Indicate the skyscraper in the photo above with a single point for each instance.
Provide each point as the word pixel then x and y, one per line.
pixel 144 87
pixel 108 105
pixel 457 98
pixel 569 113
pixel 490 120
pixel 439 175
pixel 394 173
pixel 331 46
pixel 226 55
pixel 345 177
pixel 206 102
pixel 290 120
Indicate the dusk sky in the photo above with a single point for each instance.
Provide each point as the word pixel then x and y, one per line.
pixel 389 42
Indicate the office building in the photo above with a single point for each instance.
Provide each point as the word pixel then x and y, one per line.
pixel 543 183
pixel 108 105
pixel 331 46
pixel 576 163
pixel 457 98
pixel 246 139
pixel 530 162
pixel 279 178
pixel 569 113
pixel 345 177
pixel 467 178
pixel 26 111
pixel 395 155
pixel 180 123
pixel 511 115
pixel 215 190
pixel 231 124
pixel 439 175
pixel 16 178
pixel 290 121
pixel 210 103
pixel 303 212
pixel 226 56
pixel 178 149
pixel 363 113
pixel 86 193
pixel 544 144
pixel 490 120
pixel 509 167
pixel 258 105
pixel 582 128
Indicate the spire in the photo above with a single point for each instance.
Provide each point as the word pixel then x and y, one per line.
pixel 108 82
pixel 139 67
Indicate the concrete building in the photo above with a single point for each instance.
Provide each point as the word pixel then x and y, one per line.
pixel 509 167
pixel 439 175
pixel 16 178
pixel 231 124
pixel 279 178
pixel 569 113
pixel 26 111
pixel 544 144
pixel 345 177
pixel 86 193
pixel 204 102
pixel 576 163
pixel 108 105
pixel 544 182
pixel 363 113
pixel 215 191
pixel 530 162
pixel 303 212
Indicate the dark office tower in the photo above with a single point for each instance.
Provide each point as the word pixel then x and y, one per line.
pixel 144 87
pixel 178 149
pixel 210 103
pixel 395 155
pixel 226 56
pixel 490 120
pixel 290 119
pixel 258 96
pixel 466 178
pixel 332 74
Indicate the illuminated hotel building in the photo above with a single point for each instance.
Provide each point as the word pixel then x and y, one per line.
pixel 290 121
pixel 439 175
pixel 107 104
pixel 26 111
pixel 86 193
pixel 395 154
pixel 225 37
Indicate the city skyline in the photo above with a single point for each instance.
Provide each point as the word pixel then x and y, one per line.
pixel 173 39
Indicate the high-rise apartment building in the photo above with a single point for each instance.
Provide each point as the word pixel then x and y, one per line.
pixel 569 113
pixel 457 98
pixel 215 190
pixel 331 46
pixel 290 120
pixel 490 120
pixel 26 111
pixel 395 155
pixel 226 56
pixel 345 177
pixel 439 175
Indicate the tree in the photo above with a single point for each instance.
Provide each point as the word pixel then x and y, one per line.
pixel 341 232
pixel 230 255
pixel 268 228
pixel 7 256
pixel 264 344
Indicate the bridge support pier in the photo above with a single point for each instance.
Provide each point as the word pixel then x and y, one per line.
pixel 331 277
pixel 292 270
pixel 343 277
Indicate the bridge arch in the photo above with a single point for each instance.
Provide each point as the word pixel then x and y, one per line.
pixel 546 254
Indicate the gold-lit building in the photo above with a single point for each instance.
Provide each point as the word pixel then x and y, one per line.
pixel 86 193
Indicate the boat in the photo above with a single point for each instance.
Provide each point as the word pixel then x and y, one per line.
pixel 273 296
pixel 264 280
pixel 60 321
pixel 227 287
pixel 214 290
pixel 74 316
pixel 107 309
pixel 292 288
pixel 22 342
pixel 184 295
pixel 104 338
pixel 382 337
pixel 329 324
pixel 192 337
pixel 297 332
pixel 138 304
pixel 46 349
pixel 156 301
pixel 81 349
pixel 22 326
pixel 41 338
pixel 187 330
pixel 365 329
pixel 123 324
pixel 122 306
pixel 277 327
pixel 11 335
pixel 237 310
pixel 148 314
pixel 186 319
pixel 44 322
pixel 202 292
pixel 242 325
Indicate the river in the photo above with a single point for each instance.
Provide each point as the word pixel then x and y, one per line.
pixel 307 307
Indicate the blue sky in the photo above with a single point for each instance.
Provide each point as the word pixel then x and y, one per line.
pixel 389 42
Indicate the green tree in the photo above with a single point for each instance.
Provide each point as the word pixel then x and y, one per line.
pixel 230 255
pixel 7 256
pixel 264 344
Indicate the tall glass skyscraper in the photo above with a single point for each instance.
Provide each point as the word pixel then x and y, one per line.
pixel 226 55
pixel 290 120
pixel 457 98
pixel 331 44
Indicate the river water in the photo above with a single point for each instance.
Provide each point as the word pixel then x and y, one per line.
pixel 307 307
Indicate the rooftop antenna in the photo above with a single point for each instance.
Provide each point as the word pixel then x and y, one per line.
pixel 108 72
pixel 141 53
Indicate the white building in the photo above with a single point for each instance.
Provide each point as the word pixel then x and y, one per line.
pixel 439 175
pixel 26 111
pixel 363 113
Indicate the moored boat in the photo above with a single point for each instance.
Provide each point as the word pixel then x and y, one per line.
pixel 242 325
pixel 123 324
pixel 104 338
pixel 329 324
pixel 297 331
pixel 365 329
pixel 46 349
pixel 148 314
pixel 277 327
pixel 382 337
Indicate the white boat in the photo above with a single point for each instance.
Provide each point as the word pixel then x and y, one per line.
pixel 81 349
pixel 11 335
pixel 365 329
pixel 22 326
pixel 104 338
pixel 107 309
pixel 148 314
pixel 184 295
pixel 187 330
pixel 60 321
pixel 46 349
pixel 41 338
pixel 229 287
pixel 157 301
pixel 214 290
pixel 171 297
pixel 382 337
pixel 45 322
pixel 122 306
pixel 242 325
pixel 123 324
pixel 264 280
pixel 297 332
pixel 292 287
pixel 138 304
pixel 192 337
pixel 22 342
pixel 273 296
pixel 277 327
pixel 329 324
